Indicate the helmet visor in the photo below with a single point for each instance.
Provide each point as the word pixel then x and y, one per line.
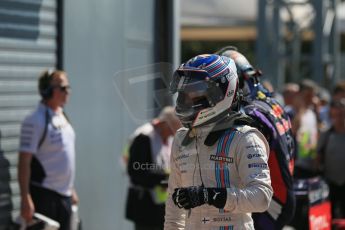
pixel 194 86
pixel 184 77
pixel 195 92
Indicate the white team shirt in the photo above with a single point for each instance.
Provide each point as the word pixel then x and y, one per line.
pixel 57 152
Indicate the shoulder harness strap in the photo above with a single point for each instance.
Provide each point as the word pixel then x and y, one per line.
pixel 46 122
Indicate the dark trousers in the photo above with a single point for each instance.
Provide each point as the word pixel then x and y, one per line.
pixel 52 205
pixel 337 197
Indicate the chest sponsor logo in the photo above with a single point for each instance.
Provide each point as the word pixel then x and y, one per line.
pixel 182 156
pixel 253 146
pixel 221 158
pixel 221 219
pixel 254 155
pixel 207 220
pixel 257 165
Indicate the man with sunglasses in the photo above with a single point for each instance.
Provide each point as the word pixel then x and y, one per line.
pixel 219 173
pixel 47 154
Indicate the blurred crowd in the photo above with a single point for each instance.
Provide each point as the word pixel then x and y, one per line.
pixel 318 124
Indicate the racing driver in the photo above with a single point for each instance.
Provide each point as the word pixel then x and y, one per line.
pixel 219 172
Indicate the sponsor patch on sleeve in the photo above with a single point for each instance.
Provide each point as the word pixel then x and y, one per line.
pixel 258 175
pixel 253 146
pixel 257 165
pixel 254 155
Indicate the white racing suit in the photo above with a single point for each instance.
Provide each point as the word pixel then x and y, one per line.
pixel 236 160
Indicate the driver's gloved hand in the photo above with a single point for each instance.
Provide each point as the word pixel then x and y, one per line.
pixel 194 196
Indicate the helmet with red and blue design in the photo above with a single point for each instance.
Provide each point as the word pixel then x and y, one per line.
pixel 207 89
pixel 249 81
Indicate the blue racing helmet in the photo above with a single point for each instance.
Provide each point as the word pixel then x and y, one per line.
pixel 206 88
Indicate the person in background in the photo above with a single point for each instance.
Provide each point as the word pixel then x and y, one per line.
pixel 46 166
pixel 290 93
pixel 274 123
pixel 331 155
pixel 148 169
pixel 323 108
pixel 219 173
pixel 305 129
